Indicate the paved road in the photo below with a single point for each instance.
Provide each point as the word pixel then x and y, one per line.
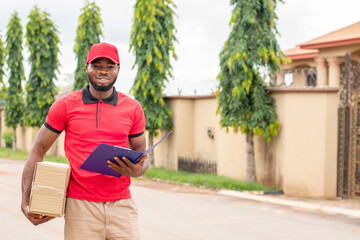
pixel 179 213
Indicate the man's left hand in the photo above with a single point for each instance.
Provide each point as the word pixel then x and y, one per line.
pixel 127 168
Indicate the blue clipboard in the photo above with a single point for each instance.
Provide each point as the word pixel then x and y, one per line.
pixel 97 160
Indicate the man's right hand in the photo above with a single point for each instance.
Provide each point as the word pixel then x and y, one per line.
pixel 36 219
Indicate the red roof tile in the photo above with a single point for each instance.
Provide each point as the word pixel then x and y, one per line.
pixel 343 36
pixel 298 53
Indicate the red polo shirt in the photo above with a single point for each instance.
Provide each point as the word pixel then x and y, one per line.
pixel 87 122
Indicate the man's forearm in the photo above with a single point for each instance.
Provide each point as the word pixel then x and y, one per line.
pixel 145 166
pixel 139 144
pixel 43 141
pixel 27 176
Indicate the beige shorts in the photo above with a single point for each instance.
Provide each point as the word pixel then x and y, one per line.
pixel 101 220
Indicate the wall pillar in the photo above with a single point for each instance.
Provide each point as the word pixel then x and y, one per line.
pixel 280 78
pixel 334 71
pixel 321 72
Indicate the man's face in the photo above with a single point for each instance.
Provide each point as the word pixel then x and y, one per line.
pixel 102 74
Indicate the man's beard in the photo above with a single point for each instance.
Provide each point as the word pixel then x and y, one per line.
pixel 102 88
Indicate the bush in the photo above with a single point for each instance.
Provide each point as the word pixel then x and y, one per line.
pixel 8 137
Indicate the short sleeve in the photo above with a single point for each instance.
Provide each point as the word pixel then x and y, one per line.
pixel 57 117
pixel 139 122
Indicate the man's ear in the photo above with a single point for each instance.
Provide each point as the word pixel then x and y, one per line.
pixel 86 67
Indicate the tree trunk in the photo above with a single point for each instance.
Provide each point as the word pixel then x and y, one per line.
pixel 250 158
pixel 151 154
pixel 14 140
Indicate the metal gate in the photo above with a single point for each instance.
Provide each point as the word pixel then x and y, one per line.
pixel 348 173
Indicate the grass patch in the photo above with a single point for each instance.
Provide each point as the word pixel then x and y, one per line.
pixel 195 179
pixel 206 180
pixel 21 155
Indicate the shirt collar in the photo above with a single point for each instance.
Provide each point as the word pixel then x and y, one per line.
pixel 89 99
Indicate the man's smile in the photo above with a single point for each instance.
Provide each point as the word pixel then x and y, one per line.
pixel 103 78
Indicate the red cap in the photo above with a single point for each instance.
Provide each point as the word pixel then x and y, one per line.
pixel 103 50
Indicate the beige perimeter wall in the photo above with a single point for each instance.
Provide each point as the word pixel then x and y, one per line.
pixel 301 160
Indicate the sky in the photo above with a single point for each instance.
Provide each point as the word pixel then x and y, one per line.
pixel 202 29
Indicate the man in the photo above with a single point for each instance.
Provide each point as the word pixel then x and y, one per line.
pixel 98 206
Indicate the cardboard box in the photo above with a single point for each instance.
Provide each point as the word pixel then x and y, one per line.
pixel 48 191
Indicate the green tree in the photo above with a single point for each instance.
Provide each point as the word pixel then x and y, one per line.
pixel 2 62
pixel 42 40
pixel 152 41
pixel 88 33
pixel 14 104
pixel 250 53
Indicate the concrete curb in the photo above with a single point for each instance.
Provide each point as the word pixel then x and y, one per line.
pixel 295 204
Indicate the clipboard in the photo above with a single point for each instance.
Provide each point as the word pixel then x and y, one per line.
pixel 97 160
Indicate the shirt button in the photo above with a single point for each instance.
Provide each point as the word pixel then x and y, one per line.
pixel 99 118
pixel 99 110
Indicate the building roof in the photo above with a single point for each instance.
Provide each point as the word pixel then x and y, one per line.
pixel 298 53
pixel 344 36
